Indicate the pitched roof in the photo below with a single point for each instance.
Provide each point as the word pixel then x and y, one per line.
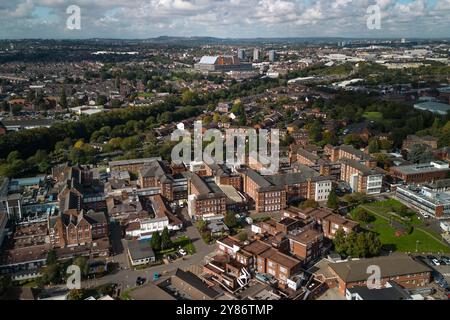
pixel 390 266
pixel 366 171
pixel 257 178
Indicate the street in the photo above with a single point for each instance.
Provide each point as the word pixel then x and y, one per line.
pixel 127 277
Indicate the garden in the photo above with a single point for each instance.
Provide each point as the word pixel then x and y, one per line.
pixel 399 228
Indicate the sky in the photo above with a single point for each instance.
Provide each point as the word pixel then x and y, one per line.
pixel 140 19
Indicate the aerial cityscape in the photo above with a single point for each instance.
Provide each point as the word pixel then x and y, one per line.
pixel 261 151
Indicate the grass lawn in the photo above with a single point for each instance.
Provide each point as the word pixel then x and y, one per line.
pixel 32 283
pixel 425 239
pixel 406 243
pixel 185 243
pixel 146 94
pixel 373 116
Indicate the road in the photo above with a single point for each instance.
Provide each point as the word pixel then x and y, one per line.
pixel 127 276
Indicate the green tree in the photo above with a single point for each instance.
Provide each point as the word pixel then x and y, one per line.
pixel 386 144
pixel 63 98
pixel 354 140
pixel 373 244
pixel 242 236
pixel 82 263
pixel 202 225
pixel 13 156
pixel 420 153
pixel 230 220
pixel 188 97
pixel 362 215
pixel 51 257
pixel 52 274
pixel 333 200
pixel 77 294
pixel 339 241
pixel 374 146
pixel 102 100
pixel 155 242
pixel 5 284
pixel 309 204
pixel 166 242
pixel 207 236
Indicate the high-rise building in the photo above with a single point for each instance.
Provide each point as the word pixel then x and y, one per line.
pixel 256 54
pixel 241 54
pixel 272 55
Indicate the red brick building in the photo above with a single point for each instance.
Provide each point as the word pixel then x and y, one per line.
pixel 399 268
pixel 421 173
pixel 73 229
pixel 266 196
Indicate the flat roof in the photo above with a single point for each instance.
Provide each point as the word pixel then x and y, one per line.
pixel 418 168
pixel 133 161
pixel 306 236
pixel 437 107
pixel 256 247
pixel 140 250
pixel 150 292
pixel 231 193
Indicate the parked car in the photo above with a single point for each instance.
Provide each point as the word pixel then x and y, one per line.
pixel 446 260
pixel 140 281
pixel 436 262
pixel 182 252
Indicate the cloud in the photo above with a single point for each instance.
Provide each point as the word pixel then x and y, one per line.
pixel 224 18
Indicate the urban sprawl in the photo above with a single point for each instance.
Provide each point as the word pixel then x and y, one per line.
pixel 87 177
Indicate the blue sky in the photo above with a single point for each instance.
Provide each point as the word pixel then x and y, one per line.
pixel 224 18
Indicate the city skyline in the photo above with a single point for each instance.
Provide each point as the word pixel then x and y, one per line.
pixel 224 19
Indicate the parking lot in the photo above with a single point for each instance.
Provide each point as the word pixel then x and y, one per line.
pixel 441 269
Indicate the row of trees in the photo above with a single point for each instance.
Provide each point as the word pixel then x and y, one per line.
pixel 161 242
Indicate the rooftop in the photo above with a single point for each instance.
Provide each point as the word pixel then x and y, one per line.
pixel 421 168
pixel 435 107
pixel 390 266
pixel 257 178
pixel 132 161
pixel 140 250
pixel 307 236
pixel 366 171
pixel 197 283
pixel 393 292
